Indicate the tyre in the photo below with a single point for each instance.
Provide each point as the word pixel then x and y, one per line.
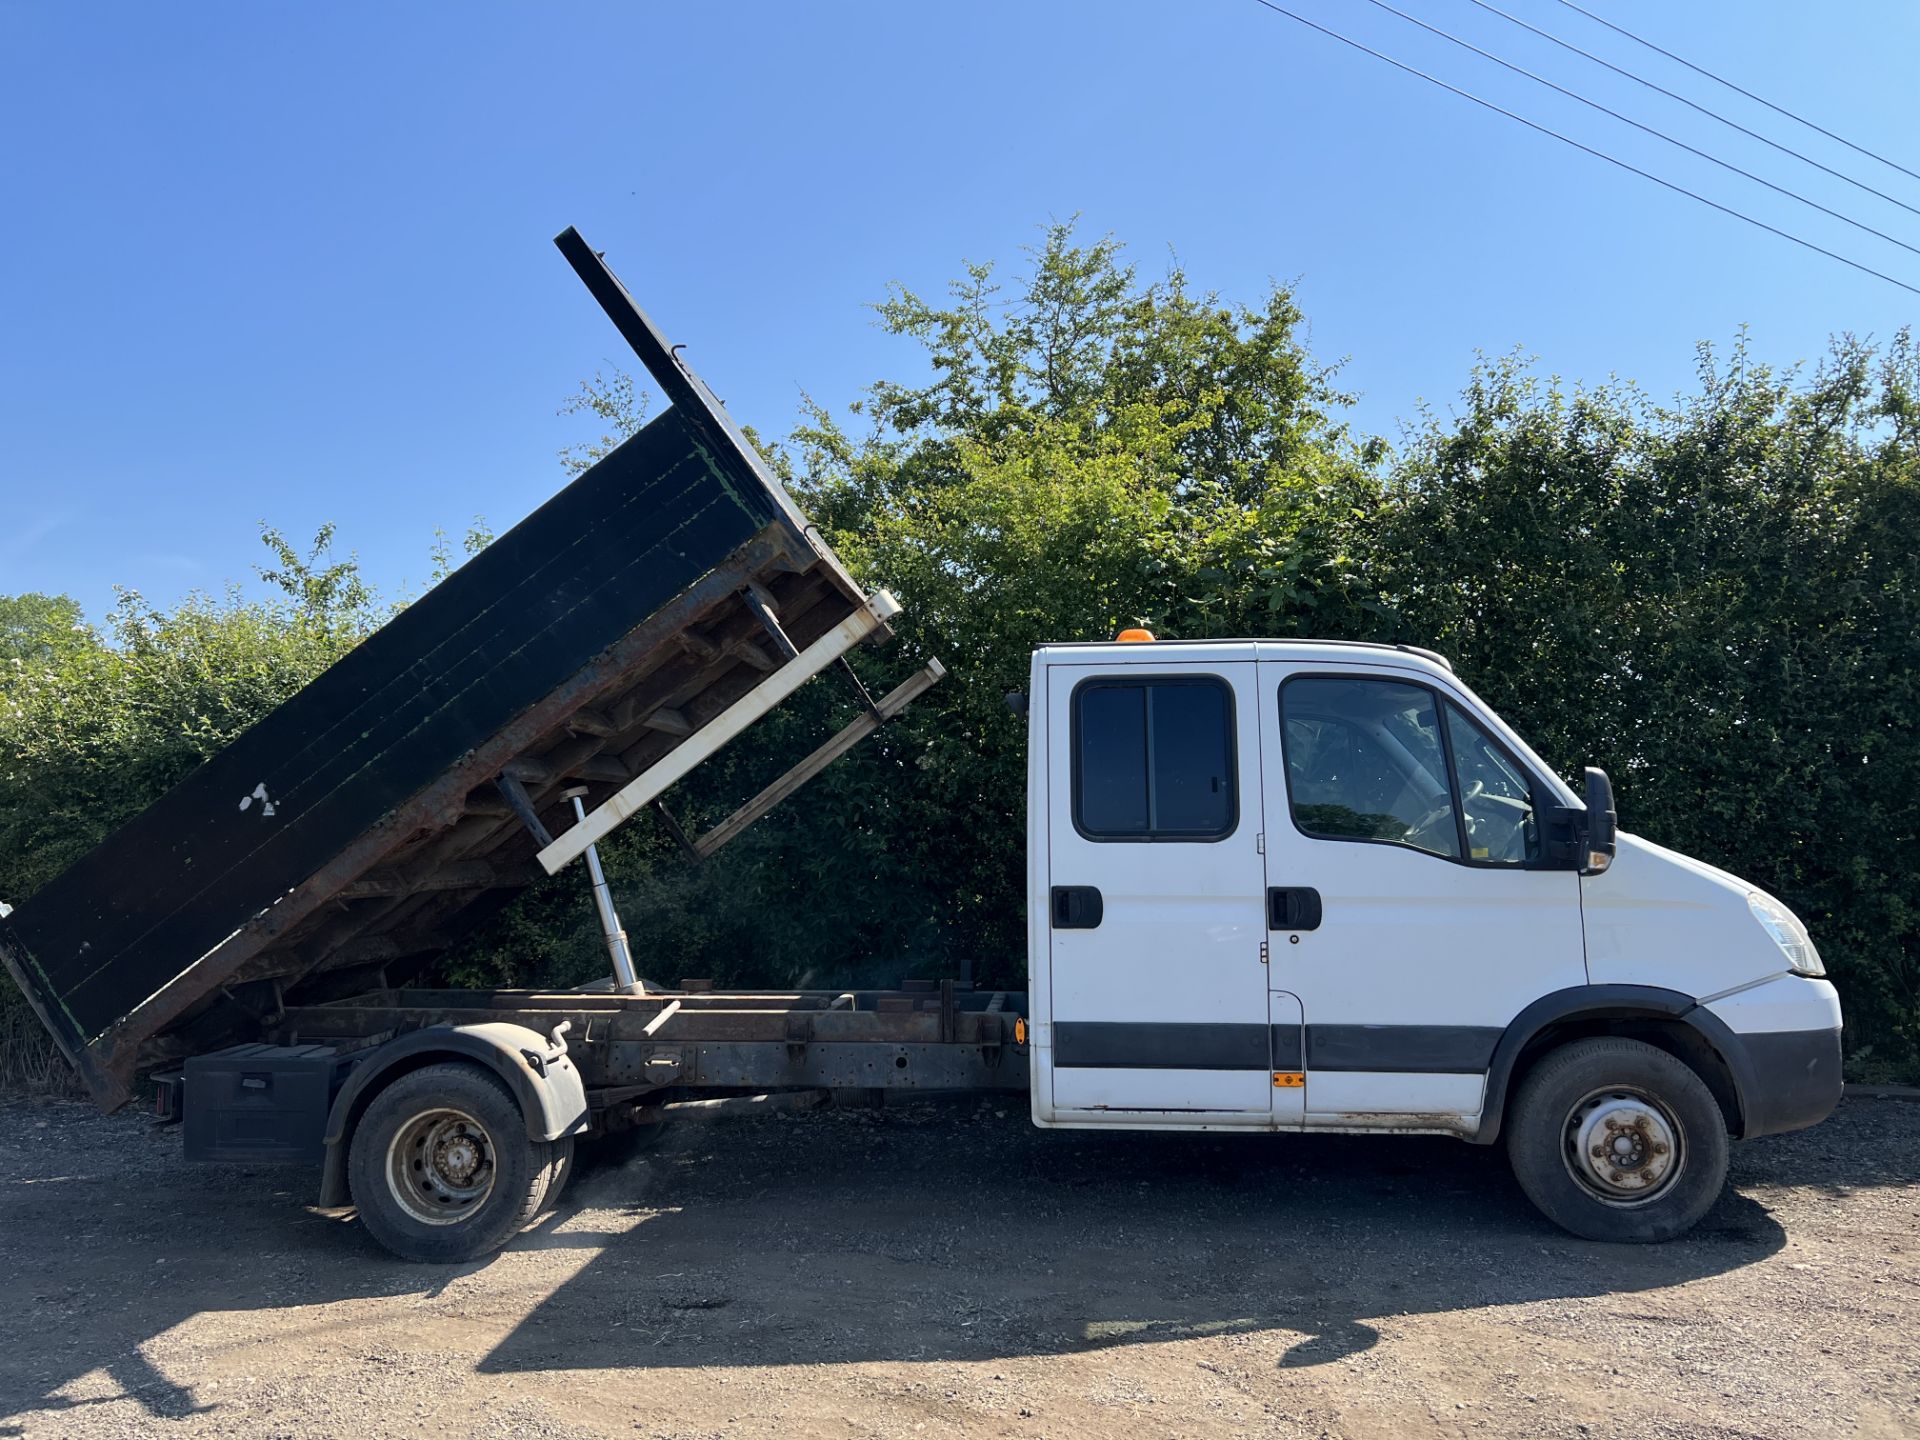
pixel 441 1167
pixel 1616 1140
pixel 560 1166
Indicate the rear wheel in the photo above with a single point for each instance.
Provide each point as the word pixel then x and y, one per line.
pixel 441 1168
pixel 560 1167
pixel 1615 1139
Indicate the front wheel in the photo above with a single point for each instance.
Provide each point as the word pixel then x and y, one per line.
pixel 441 1167
pixel 1615 1139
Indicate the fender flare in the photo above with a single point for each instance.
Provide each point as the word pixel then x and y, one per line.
pixel 544 1081
pixel 1608 1002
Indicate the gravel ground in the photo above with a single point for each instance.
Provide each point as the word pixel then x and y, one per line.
pixel 948 1270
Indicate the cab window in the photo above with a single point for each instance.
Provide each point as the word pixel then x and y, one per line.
pixel 1366 761
pixel 1153 759
pixel 1496 799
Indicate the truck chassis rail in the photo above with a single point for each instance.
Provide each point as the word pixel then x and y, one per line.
pixel 697 1042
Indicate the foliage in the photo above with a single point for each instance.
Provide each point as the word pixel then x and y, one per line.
pixel 479 535
pixel 617 404
pixel 96 725
pixel 37 630
pixel 1714 598
pixel 94 730
pixel 1090 452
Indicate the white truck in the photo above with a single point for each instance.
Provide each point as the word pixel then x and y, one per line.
pixel 1271 885
pixel 1297 885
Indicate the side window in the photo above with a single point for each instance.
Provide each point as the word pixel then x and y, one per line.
pixel 1365 761
pixel 1153 759
pixel 1495 797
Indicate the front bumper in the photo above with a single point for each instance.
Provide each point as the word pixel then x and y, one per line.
pixel 1796 1080
pixel 1788 1072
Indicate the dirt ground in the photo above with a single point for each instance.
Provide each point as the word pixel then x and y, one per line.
pixel 948 1270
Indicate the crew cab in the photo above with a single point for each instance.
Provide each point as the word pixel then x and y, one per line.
pixel 1302 885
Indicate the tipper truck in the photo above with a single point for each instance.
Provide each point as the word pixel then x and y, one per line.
pixel 1271 885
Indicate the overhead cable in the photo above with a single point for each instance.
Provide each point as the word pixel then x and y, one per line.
pixel 1696 105
pixel 1757 99
pixel 1588 149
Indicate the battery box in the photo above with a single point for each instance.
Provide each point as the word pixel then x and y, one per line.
pixel 263 1103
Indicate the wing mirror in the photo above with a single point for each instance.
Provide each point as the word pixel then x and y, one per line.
pixel 1597 847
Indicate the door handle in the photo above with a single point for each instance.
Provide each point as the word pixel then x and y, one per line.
pixel 1295 907
pixel 1077 907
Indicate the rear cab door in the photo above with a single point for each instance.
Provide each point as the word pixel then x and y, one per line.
pixel 1157 996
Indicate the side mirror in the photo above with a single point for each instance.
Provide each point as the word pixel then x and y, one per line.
pixel 1596 850
pixel 1017 702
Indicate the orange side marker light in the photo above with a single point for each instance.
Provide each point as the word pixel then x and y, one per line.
pixel 1134 635
pixel 1289 1079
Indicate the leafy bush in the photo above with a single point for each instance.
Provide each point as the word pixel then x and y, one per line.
pixel 1719 602
pixel 96 726
pixel 1714 598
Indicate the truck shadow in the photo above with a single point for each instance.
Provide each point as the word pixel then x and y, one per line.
pixel 109 1240
pixel 942 1233
pixel 973 1240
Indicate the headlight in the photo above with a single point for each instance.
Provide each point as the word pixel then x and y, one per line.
pixel 1788 933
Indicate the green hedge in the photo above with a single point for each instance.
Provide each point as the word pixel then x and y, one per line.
pixel 1714 599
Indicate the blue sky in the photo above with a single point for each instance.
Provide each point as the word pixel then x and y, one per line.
pixel 293 264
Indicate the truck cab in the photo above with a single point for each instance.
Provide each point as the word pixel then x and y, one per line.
pixel 1293 885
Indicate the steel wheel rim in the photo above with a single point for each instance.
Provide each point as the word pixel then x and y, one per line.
pixel 1623 1147
pixel 440 1166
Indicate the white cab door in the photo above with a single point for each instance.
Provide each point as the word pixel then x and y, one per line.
pixel 1159 995
pixel 1412 912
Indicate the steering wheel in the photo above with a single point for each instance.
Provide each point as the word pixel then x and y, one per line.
pixel 1512 844
pixel 1440 806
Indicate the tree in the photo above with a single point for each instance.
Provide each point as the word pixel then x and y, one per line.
pixel 1092 450
pixel 37 630
pixel 108 723
pixel 618 405
pixel 1715 600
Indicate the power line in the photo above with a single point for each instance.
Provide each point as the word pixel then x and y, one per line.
pixel 1588 149
pixel 1648 129
pixel 1695 105
pixel 1722 80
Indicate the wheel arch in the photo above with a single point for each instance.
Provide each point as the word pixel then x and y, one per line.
pixel 543 1081
pixel 1667 1019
